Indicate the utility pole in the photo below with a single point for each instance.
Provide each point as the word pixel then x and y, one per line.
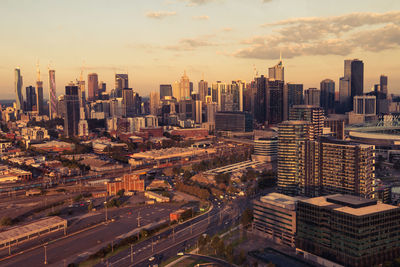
pixel 45 254
pixel 208 217
pixel 191 228
pixel 112 245
pixel 105 205
pixel 138 220
pixel 131 253
pixel 9 248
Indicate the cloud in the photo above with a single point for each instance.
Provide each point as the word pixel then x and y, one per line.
pixel 198 2
pixel 160 14
pixel 190 44
pixel 201 17
pixel 266 1
pixel 336 35
pixel 227 29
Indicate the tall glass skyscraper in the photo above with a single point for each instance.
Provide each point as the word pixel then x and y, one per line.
pixel 18 89
pixel 52 94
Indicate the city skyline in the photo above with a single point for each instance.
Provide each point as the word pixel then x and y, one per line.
pixel 148 41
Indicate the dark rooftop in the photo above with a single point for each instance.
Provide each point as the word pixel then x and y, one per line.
pixel 351 201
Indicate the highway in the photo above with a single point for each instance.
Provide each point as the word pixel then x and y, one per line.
pixel 90 241
pixel 167 244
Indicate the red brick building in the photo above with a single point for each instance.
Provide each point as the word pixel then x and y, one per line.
pixel 191 132
pixel 129 182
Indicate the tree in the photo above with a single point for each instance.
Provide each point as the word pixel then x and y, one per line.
pixel 220 247
pixel 214 242
pixel 121 192
pixel 6 221
pixel 247 217
pixel 229 253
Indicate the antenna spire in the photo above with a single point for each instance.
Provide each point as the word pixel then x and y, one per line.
pixel 38 71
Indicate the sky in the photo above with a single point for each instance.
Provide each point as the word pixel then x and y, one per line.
pixel 154 41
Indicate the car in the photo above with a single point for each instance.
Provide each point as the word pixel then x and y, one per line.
pixel 152 258
pixel 180 253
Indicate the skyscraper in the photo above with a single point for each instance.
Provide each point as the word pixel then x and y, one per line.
pixel 30 99
pixel 93 86
pixel 184 87
pixel 121 81
pixel 176 91
pixel 71 108
pixel 275 101
pixel 312 97
pixel 18 89
pixel 165 90
pixel 52 94
pixel 295 94
pixel 327 99
pixel 203 90
pixel 39 94
pixel 154 103
pixel 290 136
pixel 127 102
pixel 277 72
pixel 383 82
pixel 352 84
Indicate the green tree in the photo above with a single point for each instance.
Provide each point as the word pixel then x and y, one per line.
pixel 121 192
pixel 220 248
pixel 6 221
pixel 247 217
pixel 214 242
pixel 229 253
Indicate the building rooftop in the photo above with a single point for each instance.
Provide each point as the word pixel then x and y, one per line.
pixel 281 200
pixel 349 204
pixel 294 122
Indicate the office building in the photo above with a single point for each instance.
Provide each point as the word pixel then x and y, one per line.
pixel 383 84
pixel 127 102
pixel 19 100
pixel 30 104
pixel 102 88
pixel 275 218
pixel 184 87
pixel 93 86
pixel 83 127
pixel 313 114
pixel 52 94
pixel 269 101
pixel 39 94
pixel 277 72
pixel 312 97
pixel 203 90
pixel 327 97
pixel 71 109
pixel 364 105
pixel 198 111
pixel 348 230
pixel 121 82
pixel 290 136
pixel 165 90
pixel 330 166
pixel 352 83
pixel 233 121
pixel 295 94
pixel 265 149
pixel 211 111
pixel 154 103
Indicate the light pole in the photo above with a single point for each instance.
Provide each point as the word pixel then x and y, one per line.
pixel 45 254
pixel 131 253
pixel 105 205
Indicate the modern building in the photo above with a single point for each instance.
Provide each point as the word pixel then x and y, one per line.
pixel 72 113
pixel 345 99
pixel 203 90
pixel 154 103
pixel 275 217
pixel 165 90
pixel 83 127
pixel 157 197
pixel 352 84
pixel 233 121
pixel 52 94
pixel 312 97
pixel 269 101
pixel 330 166
pixel 295 94
pixel 30 104
pixel 364 105
pixel 129 182
pixel 277 72
pixel 383 84
pixel 265 149
pixel 19 100
pixel 184 87
pixel 121 82
pixel 290 136
pixel 313 114
pixel 337 127
pixel 93 86
pixel 327 97
pixel 348 230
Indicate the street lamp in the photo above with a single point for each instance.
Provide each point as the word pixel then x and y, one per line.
pixel 105 205
pixel 45 254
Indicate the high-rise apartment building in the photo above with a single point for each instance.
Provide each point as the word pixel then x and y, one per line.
pixel 93 86
pixel 349 230
pixel 295 94
pixel 313 114
pixel 330 166
pixel 165 90
pixel 327 99
pixel 19 100
pixel 269 100
pixel 203 90
pixel 176 91
pixel 337 127
pixel 290 136
pixel 71 108
pixel 52 94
